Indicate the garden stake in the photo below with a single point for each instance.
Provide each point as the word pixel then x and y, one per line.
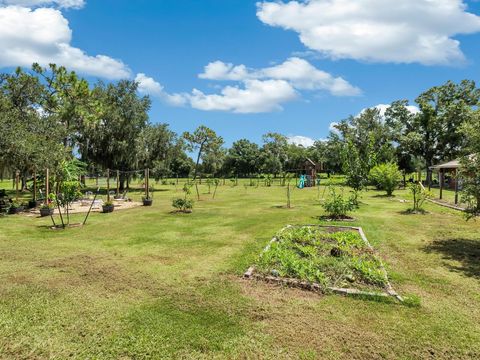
pixel 60 212
pixel 91 206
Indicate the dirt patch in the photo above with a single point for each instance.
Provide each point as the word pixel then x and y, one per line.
pixel 304 322
pixel 101 272
pixel 80 207
pixel 345 218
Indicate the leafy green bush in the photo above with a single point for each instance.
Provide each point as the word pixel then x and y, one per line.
pixel 337 206
pixel 386 177
pixel 470 177
pixel 184 205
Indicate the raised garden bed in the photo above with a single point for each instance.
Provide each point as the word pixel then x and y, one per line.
pixel 326 259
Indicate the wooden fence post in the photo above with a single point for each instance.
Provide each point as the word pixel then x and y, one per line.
pixel 108 184
pixel 35 187
pixel 47 185
pixel 147 185
pixel 17 179
pixel 118 183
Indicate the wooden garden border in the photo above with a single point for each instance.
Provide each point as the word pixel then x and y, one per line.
pixel 446 204
pixel 389 291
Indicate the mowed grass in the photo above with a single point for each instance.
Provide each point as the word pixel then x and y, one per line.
pixel 145 283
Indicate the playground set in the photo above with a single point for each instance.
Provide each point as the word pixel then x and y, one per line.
pixel 308 174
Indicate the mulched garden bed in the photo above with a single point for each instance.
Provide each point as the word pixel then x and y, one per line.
pixel 325 259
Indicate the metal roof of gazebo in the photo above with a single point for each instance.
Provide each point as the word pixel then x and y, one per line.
pixel 454 164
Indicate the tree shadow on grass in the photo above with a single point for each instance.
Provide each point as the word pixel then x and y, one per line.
pixel 383 196
pixel 464 251
pixel 413 212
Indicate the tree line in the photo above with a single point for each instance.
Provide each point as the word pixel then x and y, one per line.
pixel 49 115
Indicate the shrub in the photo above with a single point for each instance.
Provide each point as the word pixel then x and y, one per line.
pixel 184 205
pixel 337 206
pixel 15 204
pixel 470 177
pixel 386 177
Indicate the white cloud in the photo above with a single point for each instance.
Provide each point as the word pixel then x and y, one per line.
pixel 332 127
pixel 43 35
pixel 301 140
pixel 149 86
pixel 218 70
pixel 405 31
pixel 255 96
pixel 298 72
pixel 74 4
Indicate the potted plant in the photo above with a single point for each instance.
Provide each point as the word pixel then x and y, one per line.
pixel 147 201
pixel 16 207
pixel 108 207
pixel 47 209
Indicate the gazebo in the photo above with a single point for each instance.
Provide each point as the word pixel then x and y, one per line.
pixel 451 167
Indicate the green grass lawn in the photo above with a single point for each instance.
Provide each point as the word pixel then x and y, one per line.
pixel 146 283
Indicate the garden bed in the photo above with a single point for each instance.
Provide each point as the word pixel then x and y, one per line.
pixel 325 259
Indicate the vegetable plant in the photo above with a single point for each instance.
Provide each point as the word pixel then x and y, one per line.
pixel 337 205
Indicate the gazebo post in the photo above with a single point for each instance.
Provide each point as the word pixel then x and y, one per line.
pixel 456 186
pixel 430 174
pixel 441 183
pixel 35 186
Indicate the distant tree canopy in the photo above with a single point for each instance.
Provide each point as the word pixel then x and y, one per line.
pixel 50 115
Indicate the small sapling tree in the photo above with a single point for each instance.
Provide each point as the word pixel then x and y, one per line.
pixel 184 204
pixel 206 142
pixel 337 205
pixel 419 195
pixel 386 177
pixel 209 183
pixel 216 182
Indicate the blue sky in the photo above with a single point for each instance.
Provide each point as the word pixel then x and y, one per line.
pixel 399 53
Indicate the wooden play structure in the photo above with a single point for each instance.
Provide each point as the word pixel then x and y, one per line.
pixel 308 173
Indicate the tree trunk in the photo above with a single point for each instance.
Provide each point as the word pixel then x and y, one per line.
pixel 24 183
pixel 123 180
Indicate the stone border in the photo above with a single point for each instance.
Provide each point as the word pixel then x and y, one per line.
pixel 389 291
